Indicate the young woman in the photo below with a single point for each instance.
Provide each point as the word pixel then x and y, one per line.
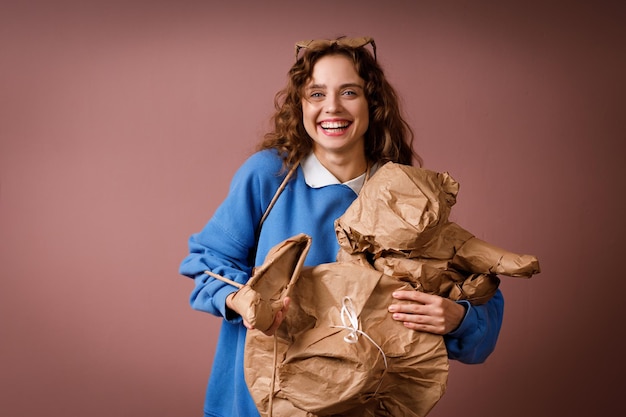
pixel 336 122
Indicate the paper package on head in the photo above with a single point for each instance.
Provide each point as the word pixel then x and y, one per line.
pixel 338 351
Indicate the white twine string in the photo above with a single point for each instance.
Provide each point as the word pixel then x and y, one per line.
pixel 351 323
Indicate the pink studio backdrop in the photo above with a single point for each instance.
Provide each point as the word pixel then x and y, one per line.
pixel 121 124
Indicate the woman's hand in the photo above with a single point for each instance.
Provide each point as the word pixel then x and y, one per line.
pixel 278 318
pixel 427 312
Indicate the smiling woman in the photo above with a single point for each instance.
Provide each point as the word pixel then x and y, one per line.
pixel 336 122
pixel 335 115
pixel 121 126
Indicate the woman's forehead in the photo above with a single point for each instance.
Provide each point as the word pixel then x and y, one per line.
pixel 334 69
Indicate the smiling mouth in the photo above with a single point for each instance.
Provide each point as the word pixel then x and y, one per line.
pixel 335 126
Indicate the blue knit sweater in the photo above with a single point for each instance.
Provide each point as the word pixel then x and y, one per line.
pixel 226 242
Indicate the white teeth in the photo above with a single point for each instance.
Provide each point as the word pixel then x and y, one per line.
pixel 334 125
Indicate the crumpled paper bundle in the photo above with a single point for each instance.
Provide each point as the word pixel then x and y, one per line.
pixel 262 296
pixel 399 225
pixel 339 352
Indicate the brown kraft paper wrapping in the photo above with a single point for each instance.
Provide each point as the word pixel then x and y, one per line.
pixel 319 373
pixel 329 360
pixel 399 225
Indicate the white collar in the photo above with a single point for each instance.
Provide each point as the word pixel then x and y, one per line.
pixel 317 176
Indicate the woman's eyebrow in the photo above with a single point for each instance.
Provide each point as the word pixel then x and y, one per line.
pixel 323 86
pixel 351 85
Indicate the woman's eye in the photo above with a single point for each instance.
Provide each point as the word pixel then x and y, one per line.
pixel 349 93
pixel 316 95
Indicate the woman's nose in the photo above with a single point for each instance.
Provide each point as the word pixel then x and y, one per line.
pixel 333 105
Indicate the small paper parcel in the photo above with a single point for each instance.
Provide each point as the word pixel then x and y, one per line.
pixel 338 351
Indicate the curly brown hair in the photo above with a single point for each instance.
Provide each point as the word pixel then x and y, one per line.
pixel 388 138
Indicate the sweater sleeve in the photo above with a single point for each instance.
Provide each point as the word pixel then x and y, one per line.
pixel 475 339
pixel 223 246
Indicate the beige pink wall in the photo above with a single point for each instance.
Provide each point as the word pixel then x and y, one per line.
pixel 121 124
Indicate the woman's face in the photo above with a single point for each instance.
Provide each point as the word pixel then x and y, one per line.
pixel 334 109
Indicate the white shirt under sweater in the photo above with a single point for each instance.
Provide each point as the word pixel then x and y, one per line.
pixel 316 175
